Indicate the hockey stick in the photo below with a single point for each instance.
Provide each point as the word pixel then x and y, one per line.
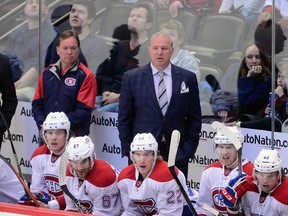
pixel 211 210
pixel 62 181
pixel 236 142
pixel 174 143
pixel 12 146
pixel 23 183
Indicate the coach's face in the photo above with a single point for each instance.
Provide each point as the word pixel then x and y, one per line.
pixel 160 51
pixel 68 51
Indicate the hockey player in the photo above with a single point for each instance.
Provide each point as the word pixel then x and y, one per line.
pixel 91 181
pixel 45 160
pixel 264 193
pixel 217 175
pixel 146 186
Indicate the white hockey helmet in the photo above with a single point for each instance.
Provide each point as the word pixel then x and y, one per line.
pixel 80 148
pixel 144 141
pixel 56 121
pixel 220 138
pixel 268 160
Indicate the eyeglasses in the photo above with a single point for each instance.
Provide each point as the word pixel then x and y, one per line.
pixel 58 133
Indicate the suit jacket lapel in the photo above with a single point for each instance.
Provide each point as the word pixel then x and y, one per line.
pixel 149 83
pixel 176 85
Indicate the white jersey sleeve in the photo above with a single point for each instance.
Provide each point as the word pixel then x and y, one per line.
pixel 204 195
pixel 37 179
pixel 10 187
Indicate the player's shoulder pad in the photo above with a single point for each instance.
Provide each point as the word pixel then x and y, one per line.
pixel 161 172
pixel 248 168
pixel 127 173
pixel 281 192
pixel 41 151
pixel 102 174
pixel 216 164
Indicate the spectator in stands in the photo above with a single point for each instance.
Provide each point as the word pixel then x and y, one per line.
pixel 60 16
pixel 93 47
pixel 253 84
pixel 250 9
pixel 264 123
pixel 254 80
pixel 24 44
pixel 199 7
pixel 67 86
pixel 281 12
pixel 263 35
pixel 281 7
pixel 124 56
pixel 217 175
pixel 229 85
pixel 180 57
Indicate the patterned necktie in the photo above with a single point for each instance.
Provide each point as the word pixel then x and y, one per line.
pixel 162 93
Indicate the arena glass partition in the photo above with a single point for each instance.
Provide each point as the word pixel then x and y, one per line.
pixel 216 41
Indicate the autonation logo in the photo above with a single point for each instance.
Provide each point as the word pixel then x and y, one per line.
pixel 102 121
pixel 265 141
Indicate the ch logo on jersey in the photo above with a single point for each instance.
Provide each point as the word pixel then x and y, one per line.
pixel 52 184
pixel 87 206
pixel 147 206
pixel 218 200
pixel 70 81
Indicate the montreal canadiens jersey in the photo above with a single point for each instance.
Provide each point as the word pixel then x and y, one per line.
pixel 10 187
pixel 275 204
pixel 45 168
pixel 157 194
pixel 98 193
pixel 213 180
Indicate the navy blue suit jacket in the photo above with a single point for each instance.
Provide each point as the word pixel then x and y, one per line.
pixel 139 110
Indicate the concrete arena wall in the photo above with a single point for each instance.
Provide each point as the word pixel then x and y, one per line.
pixel 104 133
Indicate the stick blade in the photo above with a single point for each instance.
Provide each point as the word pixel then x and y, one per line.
pixel 227 132
pixel 210 209
pixel 62 168
pixel 174 143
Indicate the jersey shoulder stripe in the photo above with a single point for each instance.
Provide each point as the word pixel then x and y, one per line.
pixel 127 173
pixel 161 172
pixel 41 151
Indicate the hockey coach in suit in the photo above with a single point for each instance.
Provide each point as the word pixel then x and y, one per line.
pixel 142 108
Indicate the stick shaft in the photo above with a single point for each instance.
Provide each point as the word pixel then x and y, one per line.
pixel 12 145
pixel 62 181
pixel 174 143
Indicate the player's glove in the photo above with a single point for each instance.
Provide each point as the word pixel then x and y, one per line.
pixel 236 188
pixel 41 196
